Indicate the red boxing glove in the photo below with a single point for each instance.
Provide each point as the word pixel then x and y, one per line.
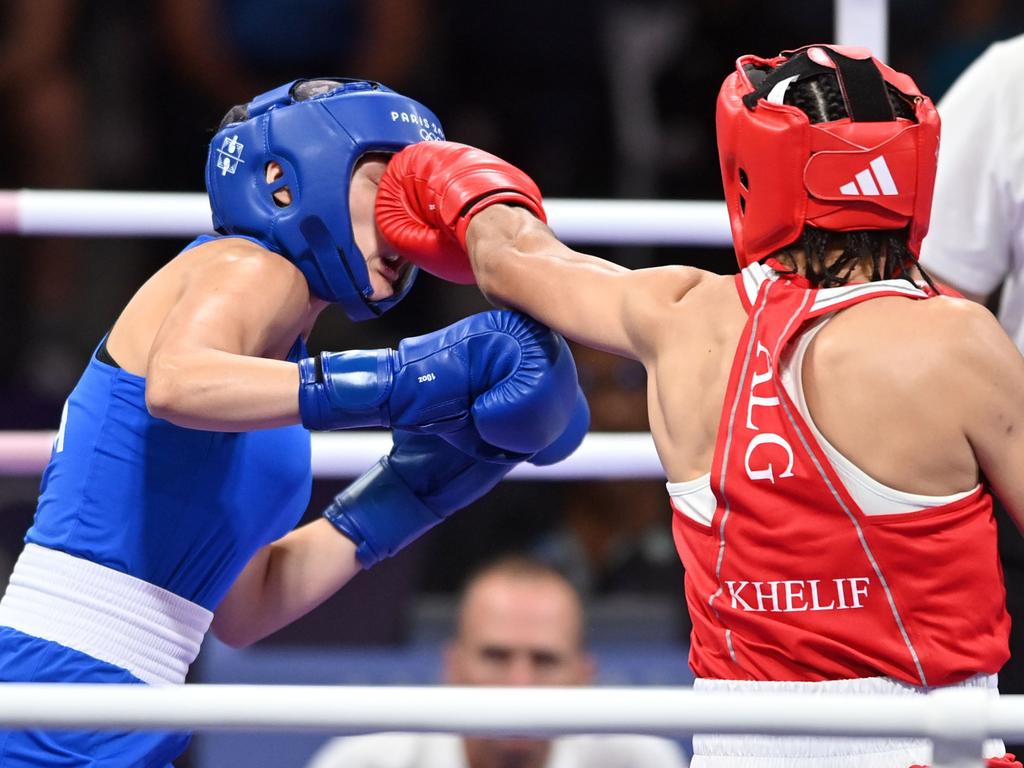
pixel 429 193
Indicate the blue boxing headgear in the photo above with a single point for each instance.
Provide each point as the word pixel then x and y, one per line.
pixel 317 142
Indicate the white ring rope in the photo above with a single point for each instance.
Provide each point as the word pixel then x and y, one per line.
pixel 169 214
pixel 958 720
pixel 602 456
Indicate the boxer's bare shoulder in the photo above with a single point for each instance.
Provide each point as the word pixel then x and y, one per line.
pixel 676 307
pixel 924 378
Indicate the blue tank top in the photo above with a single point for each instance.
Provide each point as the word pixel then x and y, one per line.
pixel 184 509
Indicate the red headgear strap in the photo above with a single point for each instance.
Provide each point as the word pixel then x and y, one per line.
pixel 781 172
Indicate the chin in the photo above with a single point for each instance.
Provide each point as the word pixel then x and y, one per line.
pixel 516 752
pixel 381 289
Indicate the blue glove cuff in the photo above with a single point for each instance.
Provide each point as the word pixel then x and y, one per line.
pixel 344 390
pixel 380 514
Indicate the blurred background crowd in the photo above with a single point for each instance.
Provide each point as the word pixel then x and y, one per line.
pixel 594 98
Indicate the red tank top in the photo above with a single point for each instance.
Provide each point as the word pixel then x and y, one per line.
pixel 792 581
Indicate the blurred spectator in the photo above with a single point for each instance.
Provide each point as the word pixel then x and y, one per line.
pixel 231 49
pixel 42 91
pixel 43 144
pixel 519 623
pixel 525 80
pixel 223 52
pixel 976 244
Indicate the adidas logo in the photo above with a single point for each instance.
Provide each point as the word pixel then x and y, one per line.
pixel 867 183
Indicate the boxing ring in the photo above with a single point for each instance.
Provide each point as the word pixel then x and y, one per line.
pixel 957 721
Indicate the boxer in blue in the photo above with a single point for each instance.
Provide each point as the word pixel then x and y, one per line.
pixel 183 456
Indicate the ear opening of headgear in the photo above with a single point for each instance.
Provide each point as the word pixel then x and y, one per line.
pixel 863 168
pixel 316 130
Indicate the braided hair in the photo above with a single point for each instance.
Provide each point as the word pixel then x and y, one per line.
pixel 303 91
pixel 884 252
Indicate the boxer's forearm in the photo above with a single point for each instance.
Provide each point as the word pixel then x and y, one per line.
pixel 518 262
pixel 285 580
pixel 222 391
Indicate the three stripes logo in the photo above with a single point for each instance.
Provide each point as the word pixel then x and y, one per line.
pixel 872 181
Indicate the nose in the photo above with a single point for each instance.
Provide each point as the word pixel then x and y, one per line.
pixel 520 671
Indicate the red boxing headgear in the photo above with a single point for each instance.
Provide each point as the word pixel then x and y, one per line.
pixel 870 170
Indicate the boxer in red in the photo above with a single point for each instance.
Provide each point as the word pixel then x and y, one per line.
pixel 829 422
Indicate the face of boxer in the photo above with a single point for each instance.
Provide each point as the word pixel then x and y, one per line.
pixel 385 267
pixel 517 630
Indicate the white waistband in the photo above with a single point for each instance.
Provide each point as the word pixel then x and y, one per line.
pixel 753 751
pixel 109 615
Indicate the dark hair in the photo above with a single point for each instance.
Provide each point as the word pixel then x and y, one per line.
pixel 237 114
pixel 304 90
pixel 884 251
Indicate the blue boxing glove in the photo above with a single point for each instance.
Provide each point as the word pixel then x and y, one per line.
pixel 422 481
pixel 571 437
pixel 469 441
pixel 498 375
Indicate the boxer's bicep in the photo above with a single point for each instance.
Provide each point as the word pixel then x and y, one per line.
pixel 216 309
pixel 212 362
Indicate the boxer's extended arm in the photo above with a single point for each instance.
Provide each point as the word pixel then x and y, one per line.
pixel 518 262
pixel 437 200
pixel 990 374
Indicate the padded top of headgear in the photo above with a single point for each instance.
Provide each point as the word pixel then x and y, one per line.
pixel 860 80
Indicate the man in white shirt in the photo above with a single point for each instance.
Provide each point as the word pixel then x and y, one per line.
pixel 976 239
pixel 520 623
pixel 976 243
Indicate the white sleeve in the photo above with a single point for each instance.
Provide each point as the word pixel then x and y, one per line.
pixel 980 171
pixel 615 751
pixel 332 754
pixel 381 750
pixel 652 752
